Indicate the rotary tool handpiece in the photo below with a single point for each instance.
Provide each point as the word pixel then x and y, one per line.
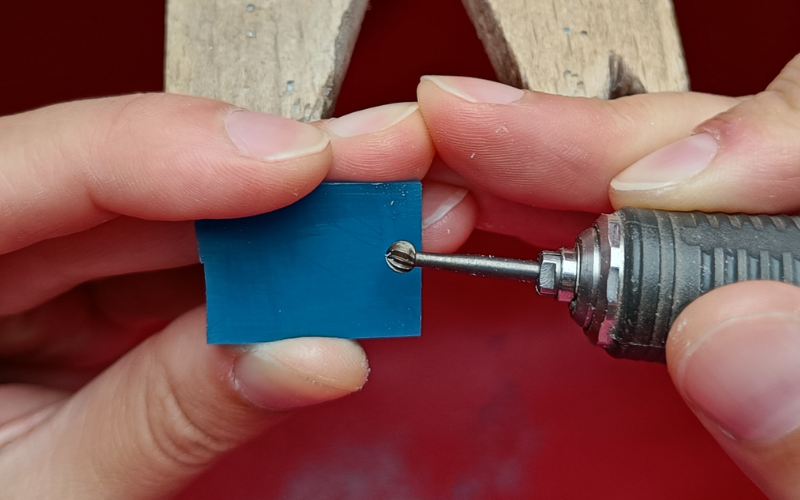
pixel 629 275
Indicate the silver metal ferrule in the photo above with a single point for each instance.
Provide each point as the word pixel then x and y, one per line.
pixel 601 268
pixel 559 274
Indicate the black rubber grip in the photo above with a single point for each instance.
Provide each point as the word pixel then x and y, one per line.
pixel 671 258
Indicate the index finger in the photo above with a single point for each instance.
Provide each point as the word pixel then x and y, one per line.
pixel 166 158
pixel 552 151
pixel 72 166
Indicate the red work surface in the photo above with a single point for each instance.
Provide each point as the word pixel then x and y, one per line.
pixel 501 398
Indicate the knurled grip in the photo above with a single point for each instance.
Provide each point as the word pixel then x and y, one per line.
pixel 671 258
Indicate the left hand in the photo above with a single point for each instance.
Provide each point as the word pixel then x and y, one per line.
pixel 108 387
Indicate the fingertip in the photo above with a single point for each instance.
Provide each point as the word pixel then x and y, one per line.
pixel 449 214
pixel 370 120
pixel 293 373
pixel 729 301
pixel 426 92
pixel 385 143
pixel 476 90
pixel 733 356
pixel 741 159
pixel 269 137
pixel 663 178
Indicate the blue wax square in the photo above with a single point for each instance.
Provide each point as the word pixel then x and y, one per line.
pixel 315 268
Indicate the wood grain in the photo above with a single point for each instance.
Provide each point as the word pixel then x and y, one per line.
pixel 593 48
pixel 286 57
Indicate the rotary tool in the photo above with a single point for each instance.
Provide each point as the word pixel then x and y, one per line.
pixel 630 275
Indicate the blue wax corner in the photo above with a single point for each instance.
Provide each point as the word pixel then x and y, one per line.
pixel 315 268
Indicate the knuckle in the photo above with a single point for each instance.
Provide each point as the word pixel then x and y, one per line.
pixel 179 433
pixel 777 107
pixel 786 87
pixel 136 139
pixel 114 128
pixel 132 119
pixel 119 117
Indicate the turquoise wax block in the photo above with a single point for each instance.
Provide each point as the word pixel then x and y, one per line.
pixel 315 268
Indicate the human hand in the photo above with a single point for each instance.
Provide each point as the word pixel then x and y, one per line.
pixel 732 354
pixel 109 389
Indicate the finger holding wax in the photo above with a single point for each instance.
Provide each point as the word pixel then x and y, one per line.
pixel 121 181
pixel 383 143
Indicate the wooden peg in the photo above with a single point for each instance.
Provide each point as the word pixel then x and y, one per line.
pixel 593 48
pixel 286 57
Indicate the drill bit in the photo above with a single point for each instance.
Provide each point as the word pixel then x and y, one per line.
pixel 402 257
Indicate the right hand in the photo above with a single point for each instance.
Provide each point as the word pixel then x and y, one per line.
pixel 107 386
pixel 540 167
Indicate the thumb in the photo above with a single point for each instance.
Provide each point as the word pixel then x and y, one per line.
pixel 746 159
pixel 168 409
pixel 734 355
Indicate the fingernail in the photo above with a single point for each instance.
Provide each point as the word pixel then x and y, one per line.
pixel 669 165
pixel 745 375
pixel 270 137
pixel 292 373
pixel 368 121
pixel 438 200
pixel 477 90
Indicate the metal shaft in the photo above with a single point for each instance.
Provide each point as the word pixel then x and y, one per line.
pixel 403 257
